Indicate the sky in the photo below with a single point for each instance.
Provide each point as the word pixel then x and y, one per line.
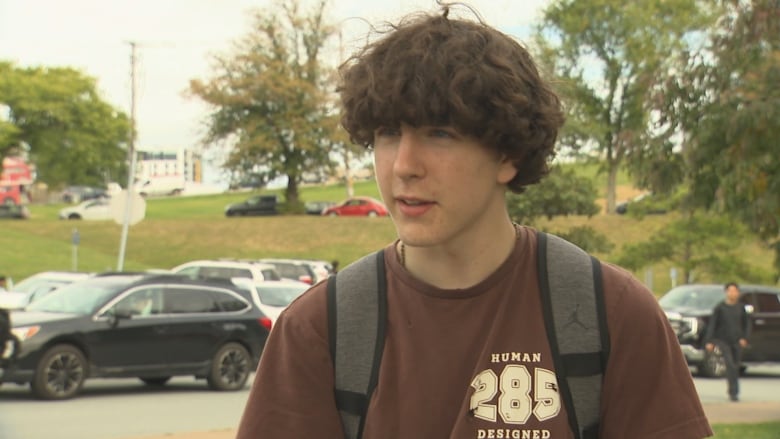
pixel 175 43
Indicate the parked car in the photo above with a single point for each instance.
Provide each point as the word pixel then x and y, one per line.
pixel 98 209
pixel 255 205
pixel 228 269
pixel 321 269
pixel 689 308
pixel 357 206
pixel 274 296
pixel 137 325
pixel 160 186
pixel 38 286
pixel 293 269
pixel 252 181
pixel 77 194
pixel 14 211
pixel 643 203
pixel 316 207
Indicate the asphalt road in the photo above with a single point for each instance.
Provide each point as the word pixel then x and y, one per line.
pixel 123 409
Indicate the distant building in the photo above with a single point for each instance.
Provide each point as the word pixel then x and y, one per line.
pixel 183 163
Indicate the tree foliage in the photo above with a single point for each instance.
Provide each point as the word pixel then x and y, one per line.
pixel 700 244
pixel 608 54
pixel 271 99
pixel 73 136
pixel 724 102
pixel 562 192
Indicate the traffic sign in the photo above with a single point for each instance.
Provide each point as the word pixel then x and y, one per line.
pixel 132 207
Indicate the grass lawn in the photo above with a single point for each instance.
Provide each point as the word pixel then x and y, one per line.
pixel 180 229
pixel 768 430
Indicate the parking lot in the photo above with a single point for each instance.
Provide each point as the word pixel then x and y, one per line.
pixel 184 409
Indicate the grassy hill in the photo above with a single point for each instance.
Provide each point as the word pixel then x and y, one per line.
pixel 180 229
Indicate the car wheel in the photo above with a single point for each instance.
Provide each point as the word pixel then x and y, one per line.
pixel 230 368
pixel 155 381
pixel 333 214
pixel 60 373
pixel 373 214
pixel 9 202
pixel 74 216
pixel 713 365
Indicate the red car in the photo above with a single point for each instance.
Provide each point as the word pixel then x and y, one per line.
pixel 357 206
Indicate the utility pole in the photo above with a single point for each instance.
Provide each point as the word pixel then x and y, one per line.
pixel 132 156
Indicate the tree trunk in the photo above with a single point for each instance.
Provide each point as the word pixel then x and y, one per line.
pixel 291 192
pixel 611 186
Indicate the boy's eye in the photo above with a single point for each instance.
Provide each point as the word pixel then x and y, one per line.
pixel 441 132
pixel 387 131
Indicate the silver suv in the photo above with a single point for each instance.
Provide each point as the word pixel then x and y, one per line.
pixel 228 269
pixel 232 270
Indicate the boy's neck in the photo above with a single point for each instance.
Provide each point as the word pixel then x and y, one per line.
pixel 463 264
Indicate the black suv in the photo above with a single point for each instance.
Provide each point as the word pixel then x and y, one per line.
pixel 689 307
pixel 142 325
pixel 255 205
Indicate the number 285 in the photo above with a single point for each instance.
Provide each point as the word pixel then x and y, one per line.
pixel 513 387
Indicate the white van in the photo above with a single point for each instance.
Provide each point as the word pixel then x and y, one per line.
pixel 158 186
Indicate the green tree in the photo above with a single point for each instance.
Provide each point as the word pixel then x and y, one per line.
pixel 608 54
pixel 724 103
pixel 701 244
pixel 272 99
pixel 742 126
pixel 73 135
pixel 562 192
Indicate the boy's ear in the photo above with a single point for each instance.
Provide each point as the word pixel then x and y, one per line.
pixel 506 171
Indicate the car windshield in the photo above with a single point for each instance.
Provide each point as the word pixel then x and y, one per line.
pixel 38 284
pixel 83 297
pixel 693 297
pixel 280 295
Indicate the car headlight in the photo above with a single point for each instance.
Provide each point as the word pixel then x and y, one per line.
pixel 689 326
pixel 24 332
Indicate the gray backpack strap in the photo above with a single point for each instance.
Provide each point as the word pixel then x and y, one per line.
pixel 573 305
pixel 357 318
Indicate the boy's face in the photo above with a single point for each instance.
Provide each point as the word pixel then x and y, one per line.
pixel 440 185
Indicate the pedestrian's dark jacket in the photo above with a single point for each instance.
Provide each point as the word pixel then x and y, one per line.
pixel 728 324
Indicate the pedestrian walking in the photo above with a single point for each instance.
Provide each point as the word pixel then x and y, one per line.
pixel 728 330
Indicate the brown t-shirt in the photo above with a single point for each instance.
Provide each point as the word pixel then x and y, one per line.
pixel 475 363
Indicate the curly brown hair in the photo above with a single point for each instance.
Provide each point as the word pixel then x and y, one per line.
pixel 433 70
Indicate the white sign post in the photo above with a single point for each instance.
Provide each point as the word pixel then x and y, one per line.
pixel 127 209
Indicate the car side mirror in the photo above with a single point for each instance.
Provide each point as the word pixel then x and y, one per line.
pixel 115 314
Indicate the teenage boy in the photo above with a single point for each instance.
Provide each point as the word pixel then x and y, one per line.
pixel 456 114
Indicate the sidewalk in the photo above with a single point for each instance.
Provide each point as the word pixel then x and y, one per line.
pixel 717 413
pixel 742 412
